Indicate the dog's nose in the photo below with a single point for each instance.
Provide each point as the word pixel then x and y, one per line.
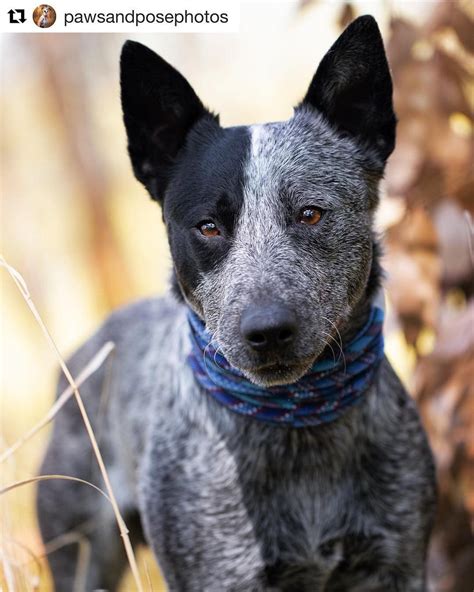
pixel 267 328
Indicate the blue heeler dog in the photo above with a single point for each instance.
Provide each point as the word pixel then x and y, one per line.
pixel 256 437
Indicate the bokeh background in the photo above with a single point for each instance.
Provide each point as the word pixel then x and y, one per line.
pixel 87 239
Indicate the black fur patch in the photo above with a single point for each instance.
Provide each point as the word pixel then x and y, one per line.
pixel 207 184
pixel 352 87
pixel 159 108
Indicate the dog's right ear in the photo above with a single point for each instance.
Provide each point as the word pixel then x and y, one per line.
pixel 352 87
pixel 159 109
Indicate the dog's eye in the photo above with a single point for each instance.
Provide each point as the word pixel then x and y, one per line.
pixel 310 215
pixel 208 228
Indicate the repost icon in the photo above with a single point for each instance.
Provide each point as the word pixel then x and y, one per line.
pixel 17 15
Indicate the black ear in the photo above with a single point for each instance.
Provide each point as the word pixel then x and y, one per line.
pixel 352 87
pixel 159 109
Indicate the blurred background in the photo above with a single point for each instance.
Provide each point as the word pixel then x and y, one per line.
pixel 86 237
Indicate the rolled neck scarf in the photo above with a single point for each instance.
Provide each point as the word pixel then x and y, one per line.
pixel 331 386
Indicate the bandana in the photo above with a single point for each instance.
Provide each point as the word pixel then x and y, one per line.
pixel 322 395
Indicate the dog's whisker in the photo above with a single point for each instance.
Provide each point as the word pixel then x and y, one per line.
pixel 218 350
pixel 338 343
pixel 326 343
pixel 213 343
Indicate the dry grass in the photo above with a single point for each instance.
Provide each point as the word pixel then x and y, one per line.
pixel 15 576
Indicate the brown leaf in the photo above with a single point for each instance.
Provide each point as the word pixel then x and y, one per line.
pixel 346 15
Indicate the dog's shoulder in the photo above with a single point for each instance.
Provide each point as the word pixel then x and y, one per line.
pixel 138 333
pixel 132 330
pixel 393 409
pixel 146 312
pixel 396 433
pixel 391 392
pixel 139 322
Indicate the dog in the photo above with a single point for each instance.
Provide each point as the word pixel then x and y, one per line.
pixel 44 20
pixel 231 466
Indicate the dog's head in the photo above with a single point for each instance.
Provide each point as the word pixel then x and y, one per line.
pixel 270 226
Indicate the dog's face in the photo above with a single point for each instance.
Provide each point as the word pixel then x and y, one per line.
pixel 45 10
pixel 270 226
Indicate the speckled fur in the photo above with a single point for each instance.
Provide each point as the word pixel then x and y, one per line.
pixel 266 261
pixel 228 503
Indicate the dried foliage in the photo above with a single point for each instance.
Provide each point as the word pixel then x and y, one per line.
pixel 110 495
pixel 346 15
pixel 430 261
pixel 414 267
pixel 445 389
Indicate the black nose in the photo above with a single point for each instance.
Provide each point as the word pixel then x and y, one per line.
pixel 267 328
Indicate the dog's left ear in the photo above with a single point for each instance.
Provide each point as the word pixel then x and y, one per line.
pixel 159 110
pixel 352 87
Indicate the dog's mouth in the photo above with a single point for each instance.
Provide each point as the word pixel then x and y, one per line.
pixel 273 368
pixel 278 373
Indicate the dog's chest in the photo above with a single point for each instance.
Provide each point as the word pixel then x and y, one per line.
pixel 294 499
pixel 281 503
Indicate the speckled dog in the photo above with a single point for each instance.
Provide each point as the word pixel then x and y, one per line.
pixel 270 231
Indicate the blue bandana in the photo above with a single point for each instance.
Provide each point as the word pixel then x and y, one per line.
pixel 320 396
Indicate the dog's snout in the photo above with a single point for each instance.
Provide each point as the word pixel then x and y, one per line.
pixel 266 328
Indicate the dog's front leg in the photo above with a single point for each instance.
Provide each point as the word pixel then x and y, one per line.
pixel 416 582
pixel 213 564
pixel 397 580
pixel 195 520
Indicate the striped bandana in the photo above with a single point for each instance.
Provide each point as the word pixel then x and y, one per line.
pixel 320 396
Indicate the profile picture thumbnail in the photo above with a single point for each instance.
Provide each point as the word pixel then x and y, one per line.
pixel 44 16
